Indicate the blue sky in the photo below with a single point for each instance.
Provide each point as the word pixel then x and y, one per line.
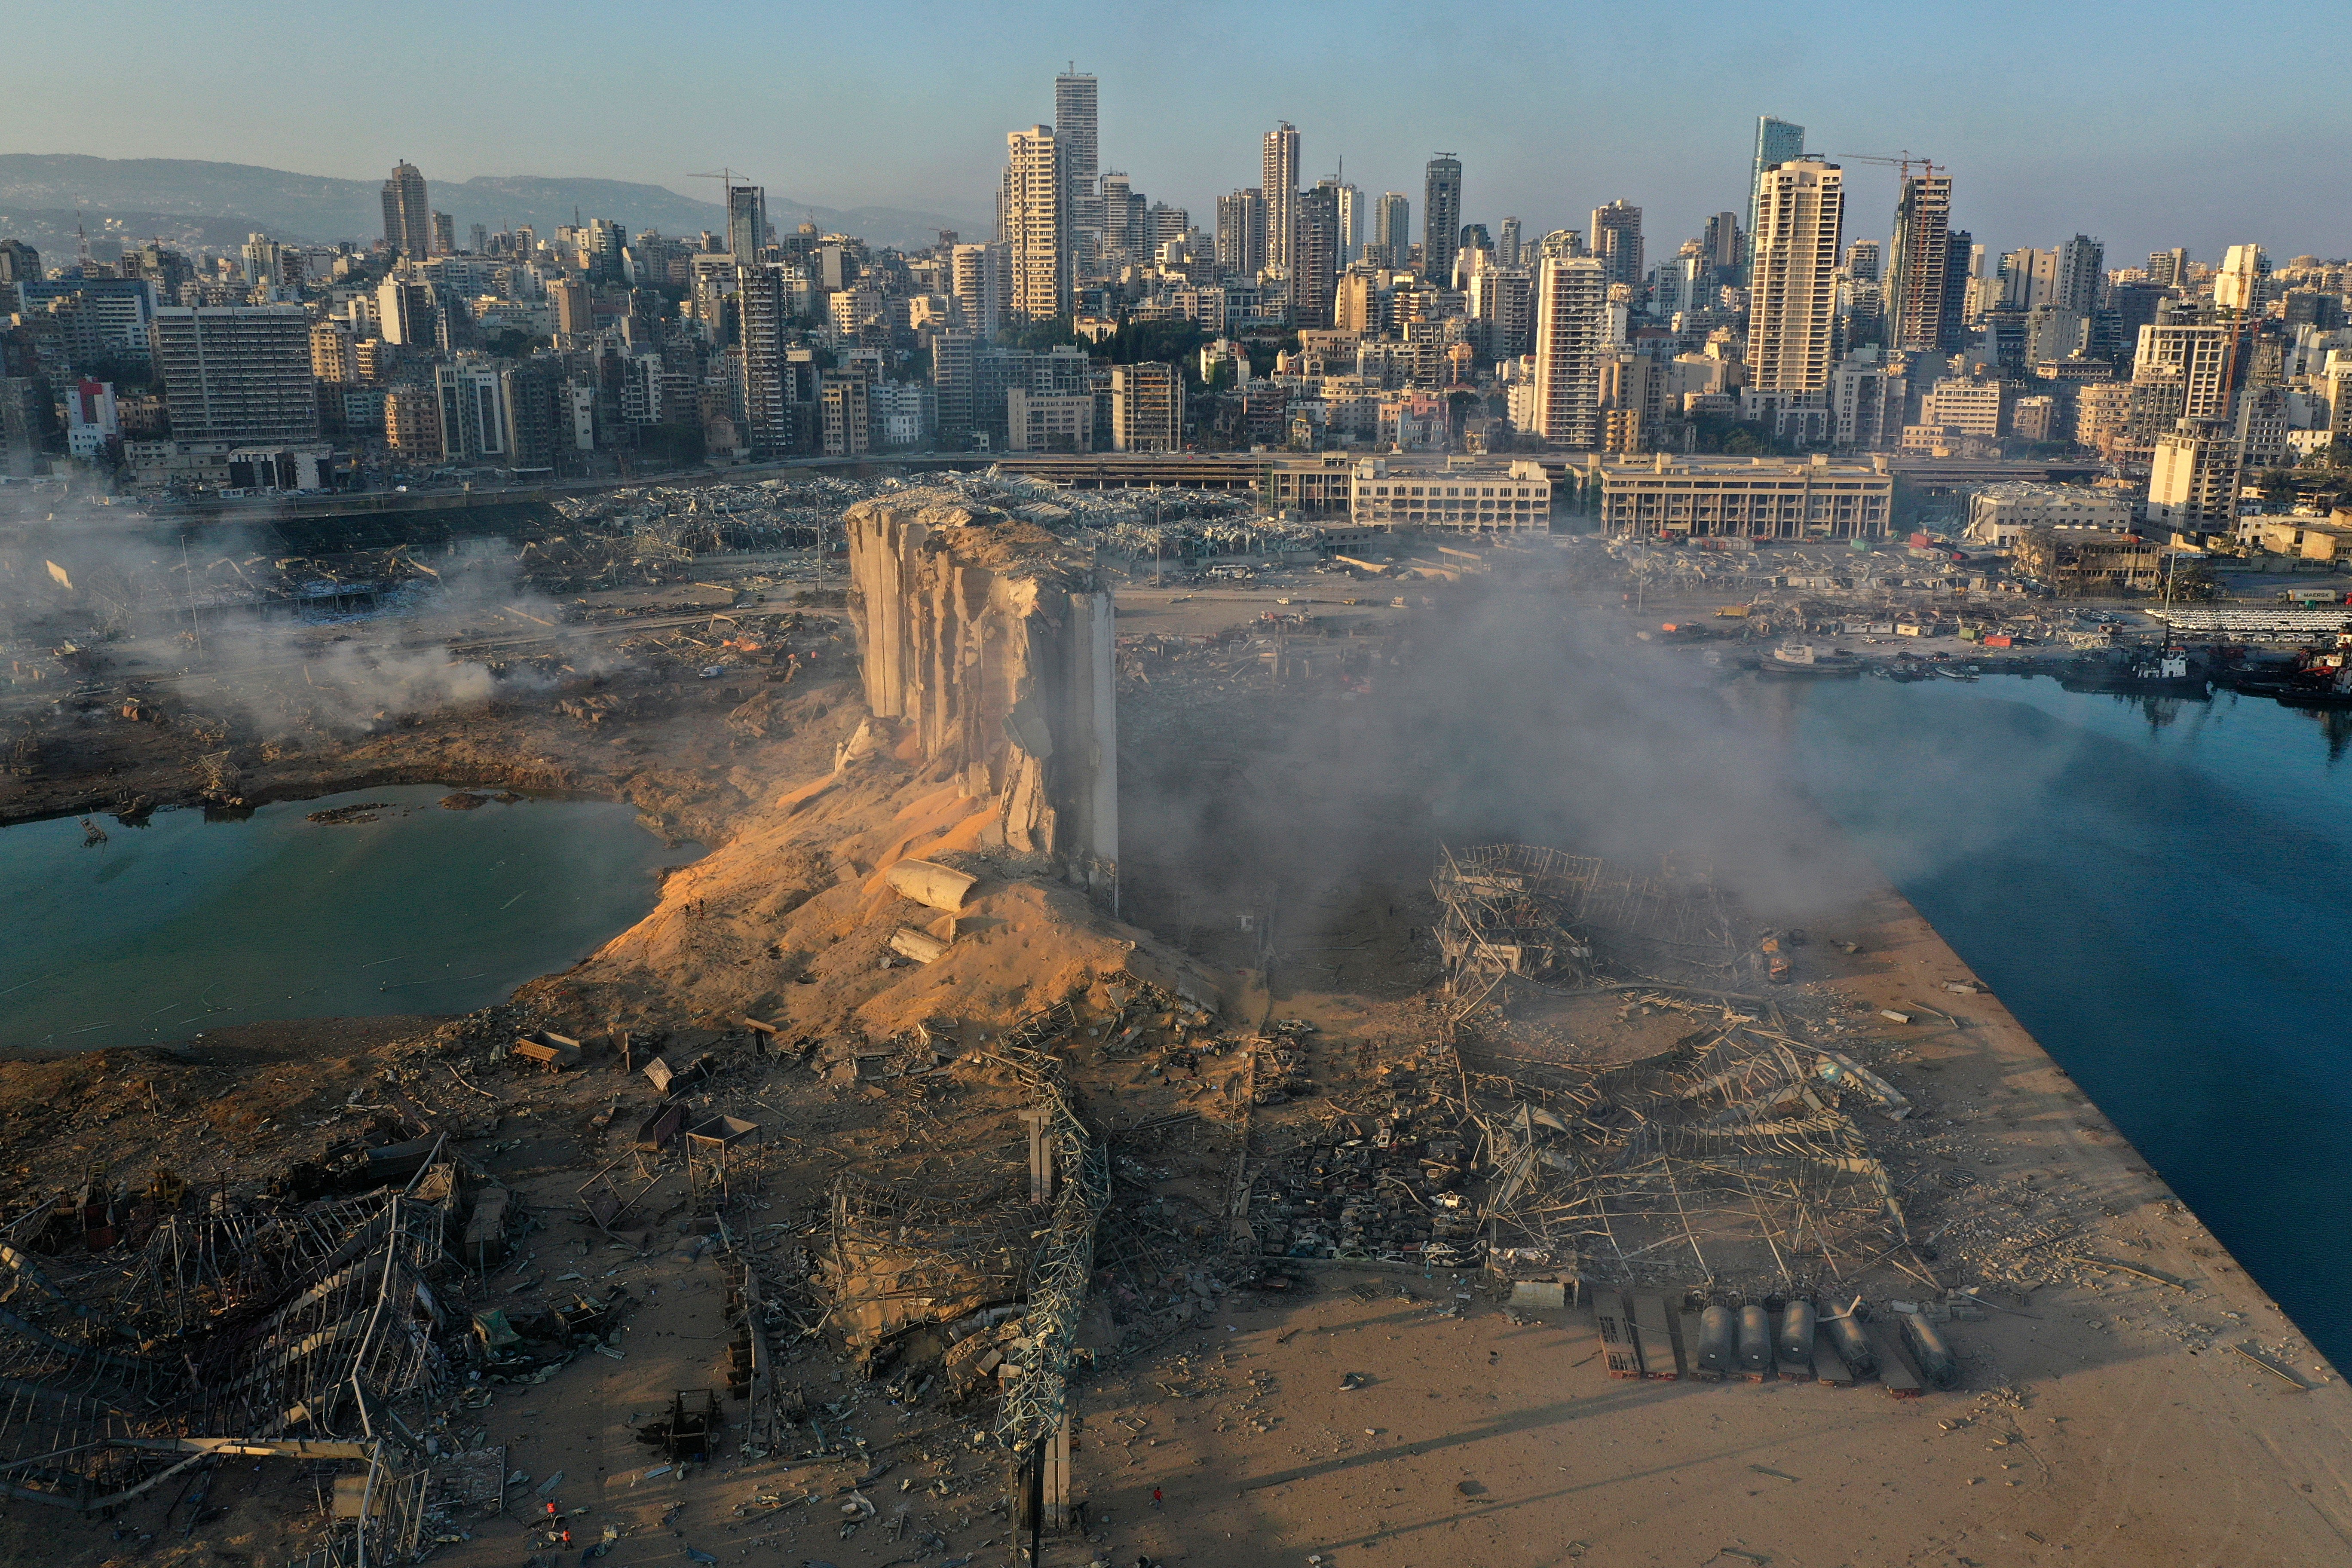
pixel 2150 124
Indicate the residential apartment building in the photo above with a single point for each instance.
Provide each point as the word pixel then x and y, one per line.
pixel 1032 224
pixel 1866 404
pixel 1146 409
pixel 1392 233
pixel 2193 483
pixel 1792 284
pixel 1241 233
pixel 332 360
pixel 1441 218
pixel 237 372
pixel 1502 298
pixel 2193 362
pixel 408 215
pixel 844 418
pixel 1617 241
pixel 1962 406
pixel 1049 422
pixel 95 317
pixel 1571 300
pixel 769 396
pixel 1280 185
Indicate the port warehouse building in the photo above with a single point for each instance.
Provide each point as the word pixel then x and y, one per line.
pixel 1757 498
pixel 1744 498
pixel 1701 497
pixel 1464 495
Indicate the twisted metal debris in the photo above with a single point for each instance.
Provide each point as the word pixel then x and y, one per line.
pixel 1037 1398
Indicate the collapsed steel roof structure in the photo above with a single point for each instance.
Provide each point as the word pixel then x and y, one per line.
pixel 1727 1158
pixel 236 1330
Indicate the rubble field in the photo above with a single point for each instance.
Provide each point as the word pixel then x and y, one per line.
pixel 1331 1181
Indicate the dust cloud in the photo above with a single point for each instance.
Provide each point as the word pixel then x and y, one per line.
pixel 1513 714
pixel 253 630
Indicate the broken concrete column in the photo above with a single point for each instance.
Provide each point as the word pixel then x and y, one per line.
pixel 992 639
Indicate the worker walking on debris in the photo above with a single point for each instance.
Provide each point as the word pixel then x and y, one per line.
pixel 1155 1500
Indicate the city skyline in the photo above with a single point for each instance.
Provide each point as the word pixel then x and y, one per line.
pixel 1185 122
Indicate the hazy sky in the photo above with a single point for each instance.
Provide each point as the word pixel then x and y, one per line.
pixel 2146 124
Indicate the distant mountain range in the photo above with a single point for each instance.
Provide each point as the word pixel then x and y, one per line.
pixel 136 199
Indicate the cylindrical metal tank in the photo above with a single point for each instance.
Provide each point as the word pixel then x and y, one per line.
pixel 1850 1344
pixel 1797 1331
pixel 1755 1341
pixel 1937 1364
pixel 1717 1343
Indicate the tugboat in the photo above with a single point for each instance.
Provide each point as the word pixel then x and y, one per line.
pixel 2166 674
pixel 2325 680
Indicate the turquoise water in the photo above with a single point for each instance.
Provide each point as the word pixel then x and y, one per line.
pixel 2155 888
pixel 166 930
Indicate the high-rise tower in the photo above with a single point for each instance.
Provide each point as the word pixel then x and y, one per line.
pixel 1392 227
pixel 1617 241
pixel 1726 246
pixel 1918 263
pixel 1074 131
pixel 1350 207
pixel 767 388
pixel 1777 142
pixel 747 223
pixel 1033 225
pixel 1791 267
pixel 1074 104
pixel 2082 275
pixel 1441 218
pixel 407 215
pixel 1241 233
pixel 1571 302
pixel 1281 187
pixel 1315 256
pixel 976 278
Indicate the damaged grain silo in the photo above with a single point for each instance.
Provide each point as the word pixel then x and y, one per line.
pixel 993 639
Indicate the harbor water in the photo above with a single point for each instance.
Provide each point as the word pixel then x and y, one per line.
pixel 2155 888
pixel 159 933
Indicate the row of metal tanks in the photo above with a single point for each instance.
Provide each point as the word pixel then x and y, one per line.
pixel 1642 1335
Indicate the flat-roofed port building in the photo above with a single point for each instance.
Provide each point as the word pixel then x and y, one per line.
pixel 1746 498
pixel 1999 514
pixel 1469 497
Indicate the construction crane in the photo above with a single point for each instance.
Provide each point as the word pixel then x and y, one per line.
pixel 726 178
pixel 1902 161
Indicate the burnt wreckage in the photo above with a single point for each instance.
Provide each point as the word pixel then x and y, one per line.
pixel 1731 1161
pixel 296 1325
